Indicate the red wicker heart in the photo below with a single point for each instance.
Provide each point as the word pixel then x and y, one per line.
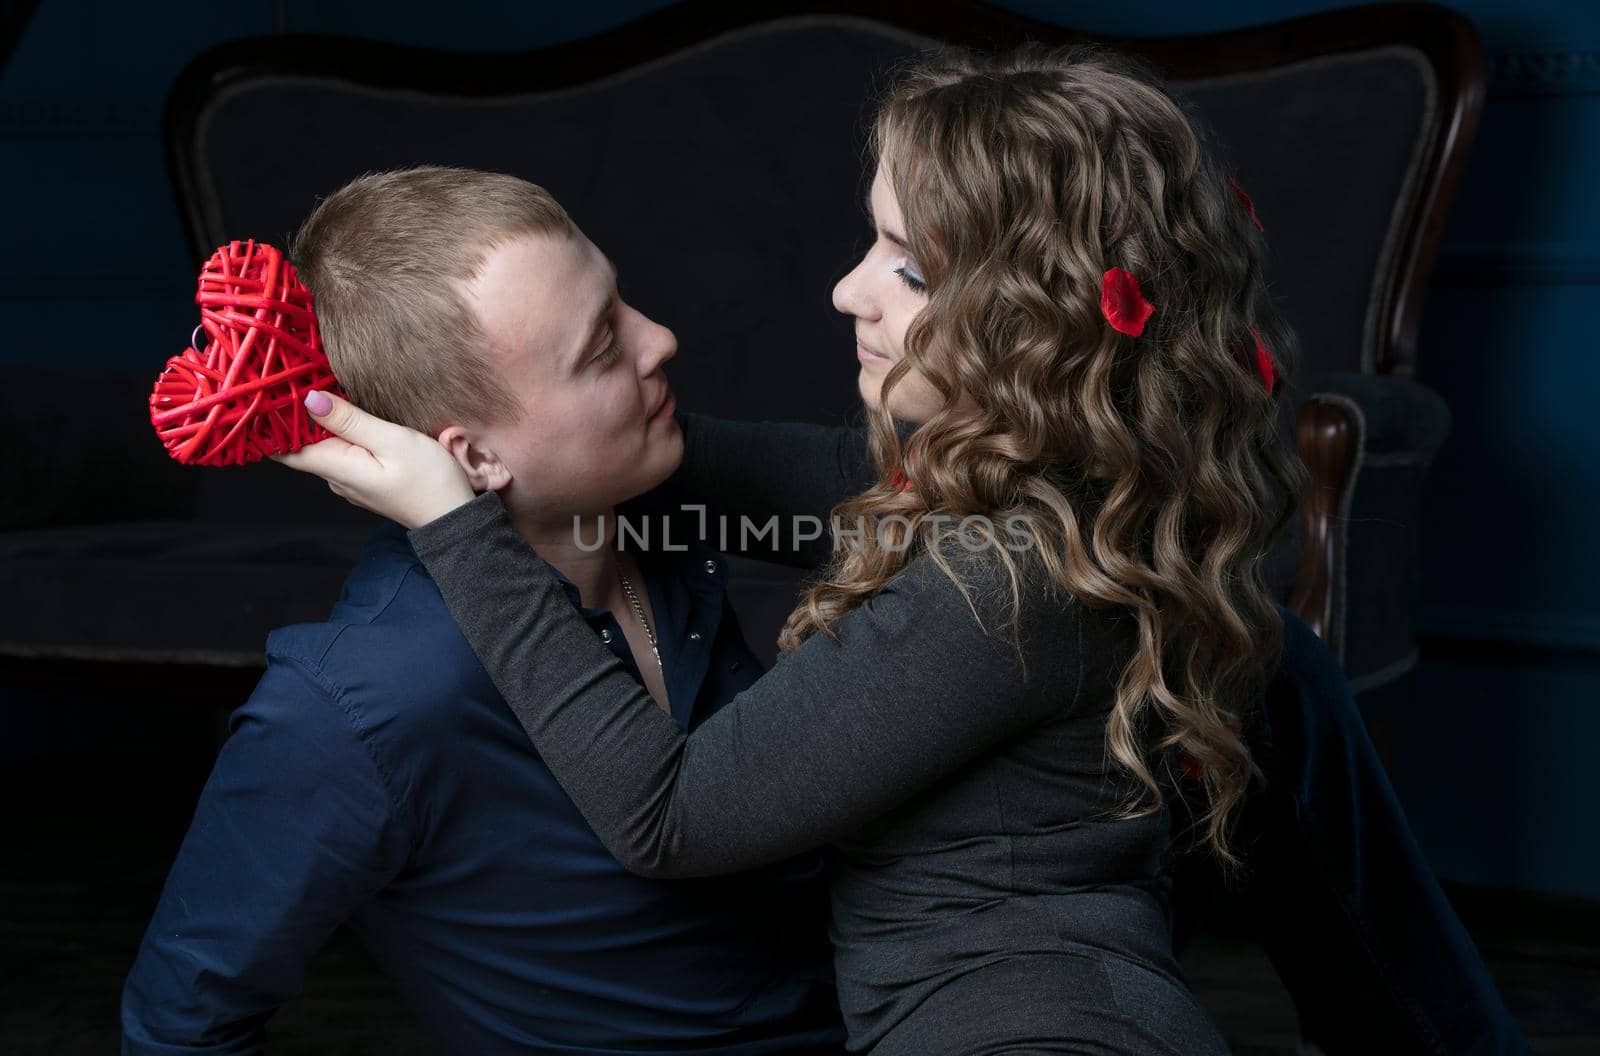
pixel 239 399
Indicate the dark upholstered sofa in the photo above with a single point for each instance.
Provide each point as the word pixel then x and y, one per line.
pixel 716 155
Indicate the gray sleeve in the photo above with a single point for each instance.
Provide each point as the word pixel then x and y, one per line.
pixel 835 735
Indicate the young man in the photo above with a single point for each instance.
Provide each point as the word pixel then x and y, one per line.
pixel 377 777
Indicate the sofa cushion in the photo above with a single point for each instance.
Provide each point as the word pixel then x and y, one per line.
pixel 168 591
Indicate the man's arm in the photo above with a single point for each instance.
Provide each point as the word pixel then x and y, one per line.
pixel 294 830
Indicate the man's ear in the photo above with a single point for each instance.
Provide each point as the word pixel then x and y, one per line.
pixel 483 466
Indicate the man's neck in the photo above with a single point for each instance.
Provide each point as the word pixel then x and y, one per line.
pixel 583 548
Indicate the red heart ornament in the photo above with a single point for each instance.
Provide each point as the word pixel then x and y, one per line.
pixel 238 399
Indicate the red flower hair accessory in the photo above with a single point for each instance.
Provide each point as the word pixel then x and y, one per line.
pixel 1122 304
pixel 1264 366
pixel 1249 206
pixel 899 481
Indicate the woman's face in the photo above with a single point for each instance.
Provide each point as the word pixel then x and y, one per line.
pixel 884 293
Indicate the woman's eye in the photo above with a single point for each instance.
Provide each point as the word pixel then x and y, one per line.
pixel 912 280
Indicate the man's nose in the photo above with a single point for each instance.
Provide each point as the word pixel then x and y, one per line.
pixel 660 344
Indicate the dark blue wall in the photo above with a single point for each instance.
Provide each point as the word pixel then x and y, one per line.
pixel 1491 763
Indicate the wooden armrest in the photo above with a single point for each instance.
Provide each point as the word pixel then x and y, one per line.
pixel 1328 439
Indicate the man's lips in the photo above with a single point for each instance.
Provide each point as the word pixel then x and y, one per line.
pixel 668 403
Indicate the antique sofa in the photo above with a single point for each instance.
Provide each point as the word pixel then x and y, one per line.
pixel 716 153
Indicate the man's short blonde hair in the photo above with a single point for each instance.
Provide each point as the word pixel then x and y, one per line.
pixel 386 257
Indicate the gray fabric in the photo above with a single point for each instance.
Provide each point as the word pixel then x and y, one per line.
pixel 112 551
pixel 1406 422
pixel 1402 426
pixel 92 457
pixel 79 449
pixel 963 791
pixel 168 590
pixel 1329 150
pixel 1084 1002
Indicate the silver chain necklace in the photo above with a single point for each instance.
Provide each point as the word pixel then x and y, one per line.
pixel 638 610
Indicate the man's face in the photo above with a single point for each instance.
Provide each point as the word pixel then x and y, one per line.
pixel 597 425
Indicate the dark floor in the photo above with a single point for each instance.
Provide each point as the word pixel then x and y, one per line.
pixel 89 840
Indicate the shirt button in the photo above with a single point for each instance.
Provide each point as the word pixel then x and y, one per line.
pixel 711 568
pixel 695 636
pixel 605 635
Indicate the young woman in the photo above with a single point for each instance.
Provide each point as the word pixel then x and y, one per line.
pixel 1050 592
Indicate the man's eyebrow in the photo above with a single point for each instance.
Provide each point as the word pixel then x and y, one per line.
pixel 890 235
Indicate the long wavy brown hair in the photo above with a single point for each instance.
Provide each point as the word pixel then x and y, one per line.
pixel 1150 468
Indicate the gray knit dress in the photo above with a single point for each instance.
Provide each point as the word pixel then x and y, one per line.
pixel 983 902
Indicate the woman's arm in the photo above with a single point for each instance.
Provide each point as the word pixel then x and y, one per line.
pixel 922 678
pixel 747 475
pixel 835 735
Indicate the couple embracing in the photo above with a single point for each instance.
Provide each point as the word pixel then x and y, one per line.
pixel 547 783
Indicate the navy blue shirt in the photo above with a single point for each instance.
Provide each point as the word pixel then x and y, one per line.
pixel 375 777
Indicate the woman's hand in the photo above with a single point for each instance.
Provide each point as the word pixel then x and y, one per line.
pixel 396 472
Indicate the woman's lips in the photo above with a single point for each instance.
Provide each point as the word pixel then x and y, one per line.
pixel 866 356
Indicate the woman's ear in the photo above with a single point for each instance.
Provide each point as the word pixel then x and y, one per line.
pixel 484 469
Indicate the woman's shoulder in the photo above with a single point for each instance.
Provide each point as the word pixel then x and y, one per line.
pixel 1010 596
pixel 957 621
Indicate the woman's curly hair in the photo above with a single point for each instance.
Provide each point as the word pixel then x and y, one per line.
pixel 1150 468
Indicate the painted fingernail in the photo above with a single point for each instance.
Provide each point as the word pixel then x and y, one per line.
pixel 318 403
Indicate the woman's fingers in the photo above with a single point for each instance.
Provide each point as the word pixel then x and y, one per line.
pixel 392 470
pixel 335 460
pixel 347 421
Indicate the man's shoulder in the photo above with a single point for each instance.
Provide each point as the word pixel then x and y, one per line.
pixel 385 688
pixel 388 637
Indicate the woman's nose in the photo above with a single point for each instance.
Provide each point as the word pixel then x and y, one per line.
pixel 850 296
